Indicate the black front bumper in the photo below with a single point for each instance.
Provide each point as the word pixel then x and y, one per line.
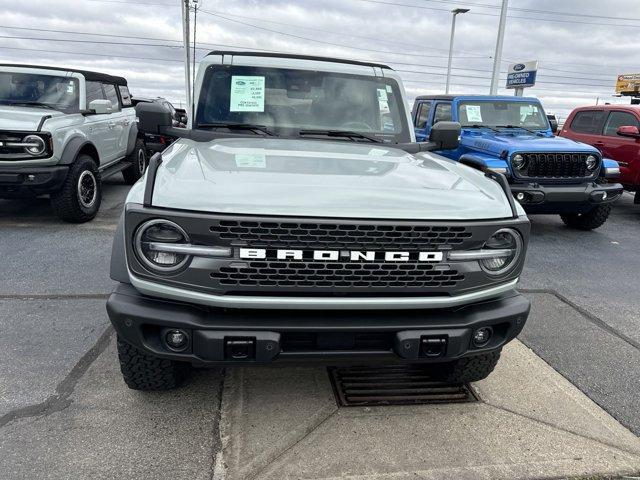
pixel 321 336
pixel 18 182
pixel 578 198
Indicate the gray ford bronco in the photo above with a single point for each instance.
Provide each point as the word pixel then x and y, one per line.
pixel 61 131
pixel 297 219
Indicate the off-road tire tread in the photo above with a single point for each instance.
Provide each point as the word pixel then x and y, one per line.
pixel 65 203
pixel 145 372
pixel 470 369
pixel 587 221
pixel 131 174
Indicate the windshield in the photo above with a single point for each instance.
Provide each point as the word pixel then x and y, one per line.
pixel 502 113
pixel 23 89
pixel 287 101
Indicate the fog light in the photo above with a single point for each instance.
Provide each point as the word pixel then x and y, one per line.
pixel 520 197
pixel 482 336
pixel 176 339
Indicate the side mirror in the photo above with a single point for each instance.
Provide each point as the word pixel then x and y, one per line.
pixel 100 106
pixel 553 123
pixel 628 131
pixel 152 117
pixel 445 135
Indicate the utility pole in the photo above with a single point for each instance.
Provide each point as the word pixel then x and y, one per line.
pixel 187 54
pixel 497 58
pixel 453 31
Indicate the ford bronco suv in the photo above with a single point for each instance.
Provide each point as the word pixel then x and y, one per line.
pixel 513 136
pixel 61 131
pixel 297 219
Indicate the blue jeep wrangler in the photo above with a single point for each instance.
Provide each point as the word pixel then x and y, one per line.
pixel 512 136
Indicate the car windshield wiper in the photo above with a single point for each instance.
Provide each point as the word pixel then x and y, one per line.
pixel 518 126
pixel 34 104
pixel 340 133
pixel 476 125
pixel 237 126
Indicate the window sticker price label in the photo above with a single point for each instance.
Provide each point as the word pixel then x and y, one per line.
pixel 247 94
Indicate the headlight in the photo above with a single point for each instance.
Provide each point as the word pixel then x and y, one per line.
pixel 149 239
pixel 592 162
pixel 34 145
pixel 518 161
pixel 508 245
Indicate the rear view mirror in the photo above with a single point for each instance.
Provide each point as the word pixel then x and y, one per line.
pixel 445 135
pixel 628 131
pixel 100 106
pixel 152 117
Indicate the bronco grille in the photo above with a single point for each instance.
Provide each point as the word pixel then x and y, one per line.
pixel 555 165
pixel 333 235
pixel 336 275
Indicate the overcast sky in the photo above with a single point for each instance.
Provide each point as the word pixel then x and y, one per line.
pixel 581 44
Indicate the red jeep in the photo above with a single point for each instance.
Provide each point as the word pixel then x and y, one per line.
pixel 614 130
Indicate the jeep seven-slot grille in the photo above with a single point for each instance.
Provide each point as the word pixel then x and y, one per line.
pixel 331 236
pixel 555 165
pixel 341 275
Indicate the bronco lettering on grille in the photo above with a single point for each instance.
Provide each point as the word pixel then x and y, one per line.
pixel 335 255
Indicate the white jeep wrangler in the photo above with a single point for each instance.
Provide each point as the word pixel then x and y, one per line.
pixel 61 131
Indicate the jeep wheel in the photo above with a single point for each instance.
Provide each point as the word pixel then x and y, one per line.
pixel 138 159
pixel 79 199
pixel 142 371
pixel 587 221
pixel 468 369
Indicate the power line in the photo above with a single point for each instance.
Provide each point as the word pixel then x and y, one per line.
pixel 558 20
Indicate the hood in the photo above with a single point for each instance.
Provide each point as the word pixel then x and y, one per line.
pixel 315 178
pixel 519 141
pixel 26 119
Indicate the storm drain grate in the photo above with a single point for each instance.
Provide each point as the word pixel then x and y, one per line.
pixel 393 385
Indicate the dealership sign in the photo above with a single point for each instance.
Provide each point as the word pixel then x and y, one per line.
pixel 628 84
pixel 522 75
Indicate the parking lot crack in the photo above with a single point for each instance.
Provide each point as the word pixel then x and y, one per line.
pixel 60 399
pixel 585 313
pixel 631 452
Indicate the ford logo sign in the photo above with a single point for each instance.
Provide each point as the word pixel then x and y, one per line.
pixel 519 66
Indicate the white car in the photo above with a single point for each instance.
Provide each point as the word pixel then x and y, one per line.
pixel 61 131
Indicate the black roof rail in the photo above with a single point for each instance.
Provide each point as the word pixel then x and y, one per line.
pixel 301 57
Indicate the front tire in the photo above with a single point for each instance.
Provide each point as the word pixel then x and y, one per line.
pixel 469 369
pixel 145 372
pixel 587 221
pixel 79 199
pixel 138 159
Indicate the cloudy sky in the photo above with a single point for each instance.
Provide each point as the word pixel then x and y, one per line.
pixel 581 45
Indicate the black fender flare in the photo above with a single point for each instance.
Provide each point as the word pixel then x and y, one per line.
pixel 118 270
pixel 72 148
pixel 133 137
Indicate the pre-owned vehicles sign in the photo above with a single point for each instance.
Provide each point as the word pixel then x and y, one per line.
pixel 628 84
pixel 522 75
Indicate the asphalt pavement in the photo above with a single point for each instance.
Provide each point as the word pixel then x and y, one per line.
pixel 57 359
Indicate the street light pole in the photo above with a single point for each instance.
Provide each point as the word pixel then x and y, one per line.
pixel 187 63
pixel 453 31
pixel 497 58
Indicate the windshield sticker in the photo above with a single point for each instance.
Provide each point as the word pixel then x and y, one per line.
pixel 389 89
pixel 382 95
pixel 378 152
pixel 255 160
pixel 71 87
pixel 247 94
pixel 473 113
